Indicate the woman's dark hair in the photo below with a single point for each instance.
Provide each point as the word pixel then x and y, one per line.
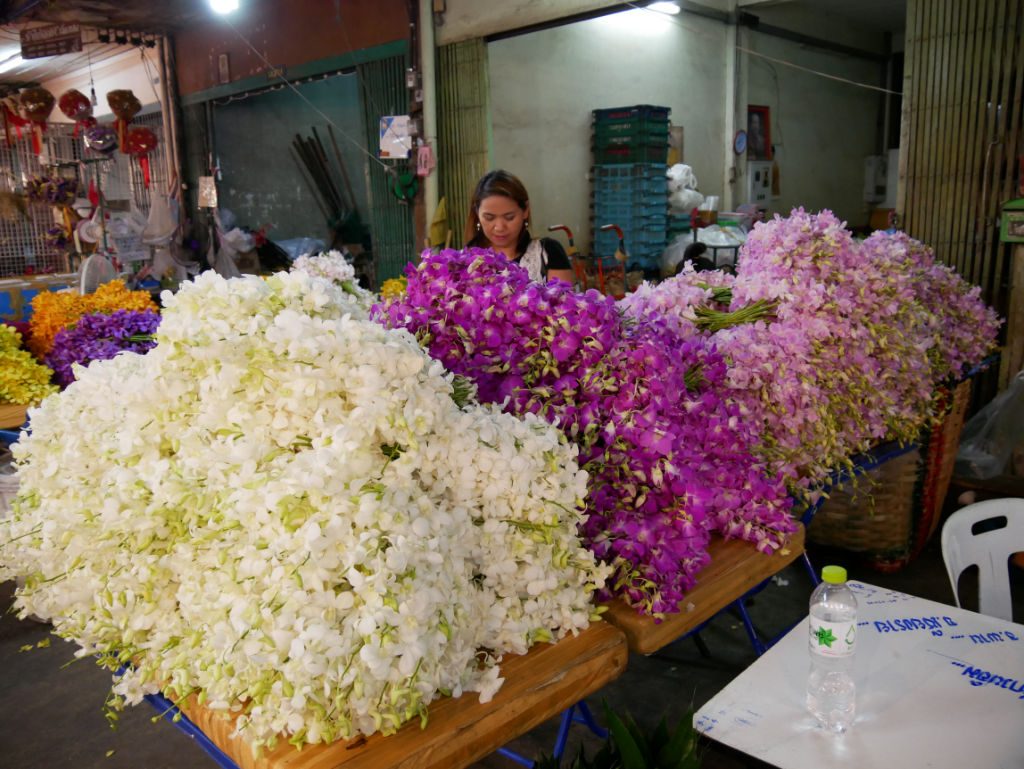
pixel 497 182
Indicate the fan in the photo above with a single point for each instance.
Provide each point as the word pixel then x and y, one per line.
pixel 95 271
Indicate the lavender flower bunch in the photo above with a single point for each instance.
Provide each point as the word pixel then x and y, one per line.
pixel 856 339
pixel 957 327
pixel 668 460
pixel 98 336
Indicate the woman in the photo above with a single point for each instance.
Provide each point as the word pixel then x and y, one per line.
pixel 499 218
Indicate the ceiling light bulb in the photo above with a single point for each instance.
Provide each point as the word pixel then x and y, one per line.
pixel 13 62
pixel 663 6
pixel 224 6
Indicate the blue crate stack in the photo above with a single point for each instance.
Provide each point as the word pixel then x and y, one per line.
pixel 630 147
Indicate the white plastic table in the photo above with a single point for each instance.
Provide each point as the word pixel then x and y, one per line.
pixel 937 687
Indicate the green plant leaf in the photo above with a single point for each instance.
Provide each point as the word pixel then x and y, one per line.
pixel 659 738
pixel 629 752
pixel 681 750
pixel 640 739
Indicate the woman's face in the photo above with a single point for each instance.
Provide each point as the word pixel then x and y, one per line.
pixel 501 220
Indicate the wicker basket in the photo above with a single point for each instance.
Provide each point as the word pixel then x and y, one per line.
pixel 889 513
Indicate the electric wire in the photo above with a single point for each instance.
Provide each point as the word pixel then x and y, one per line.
pixel 759 55
pixel 309 103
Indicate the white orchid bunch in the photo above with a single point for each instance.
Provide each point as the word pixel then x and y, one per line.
pixel 333 266
pixel 282 509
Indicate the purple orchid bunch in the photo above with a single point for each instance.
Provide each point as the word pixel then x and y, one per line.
pixel 668 459
pixel 99 336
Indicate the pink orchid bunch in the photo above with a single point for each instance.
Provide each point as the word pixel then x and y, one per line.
pixel 858 336
pixel 959 329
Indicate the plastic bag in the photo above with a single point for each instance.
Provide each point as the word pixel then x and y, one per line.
pixel 683 201
pixel 992 435
pixel 721 236
pixel 673 255
pixel 296 247
pixel 681 176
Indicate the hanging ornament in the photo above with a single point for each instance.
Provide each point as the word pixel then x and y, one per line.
pixel 36 106
pixel 76 106
pixel 11 109
pixel 139 142
pixel 125 106
pixel 101 139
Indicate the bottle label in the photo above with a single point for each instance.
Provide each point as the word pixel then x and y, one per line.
pixel 832 639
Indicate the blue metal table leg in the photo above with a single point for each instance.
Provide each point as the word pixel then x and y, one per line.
pixel 511 755
pixel 563 731
pixel 815 580
pixel 170 711
pixel 586 718
pixel 579 713
pixel 748 625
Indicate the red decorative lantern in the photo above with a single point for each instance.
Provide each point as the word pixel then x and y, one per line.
pixel 12 119
pixel 76 106
pixel 36 106
pixel 139 142
pixel 125 106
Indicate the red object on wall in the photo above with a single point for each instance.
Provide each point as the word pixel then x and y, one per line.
pixel 76 106
pixel 139 142
pixel 36 106
pixel 124 104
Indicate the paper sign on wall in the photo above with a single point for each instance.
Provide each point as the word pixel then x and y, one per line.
pixel 207 192
pixel 395 137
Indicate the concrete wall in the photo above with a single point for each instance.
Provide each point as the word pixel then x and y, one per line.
pixel 545 84
pixel 822 129
pixel 261 183
pixel 464 19
pixel 118 72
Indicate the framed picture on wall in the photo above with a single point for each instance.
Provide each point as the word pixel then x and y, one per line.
pixel 759 132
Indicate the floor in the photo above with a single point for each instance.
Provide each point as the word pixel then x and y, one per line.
pixel 51 711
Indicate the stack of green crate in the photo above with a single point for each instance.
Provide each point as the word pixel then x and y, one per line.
pixel 630 148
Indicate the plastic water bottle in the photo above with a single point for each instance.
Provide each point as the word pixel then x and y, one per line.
pixel 831 691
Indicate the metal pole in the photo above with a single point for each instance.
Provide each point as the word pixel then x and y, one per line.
pixel 427 60
pixel 173 137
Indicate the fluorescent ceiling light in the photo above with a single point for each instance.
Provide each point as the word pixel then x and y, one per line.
pixel 663 6
pixel 224 6
pixel 13 62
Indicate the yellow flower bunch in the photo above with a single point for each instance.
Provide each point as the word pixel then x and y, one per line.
pixel 394 288
pixel 53 311
pixel 23 380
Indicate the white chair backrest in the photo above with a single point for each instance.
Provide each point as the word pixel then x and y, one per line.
pixel 989 550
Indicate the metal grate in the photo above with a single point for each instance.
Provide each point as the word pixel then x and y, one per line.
pixel 23 238
pixel 391 225
pixel 463 104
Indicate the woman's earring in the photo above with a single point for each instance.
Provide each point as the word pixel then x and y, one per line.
pixel 526 224
pixel 478 226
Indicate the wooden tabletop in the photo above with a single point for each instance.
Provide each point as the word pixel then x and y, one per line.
pixel 12 415
pixel 735 568
pixel 538 685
